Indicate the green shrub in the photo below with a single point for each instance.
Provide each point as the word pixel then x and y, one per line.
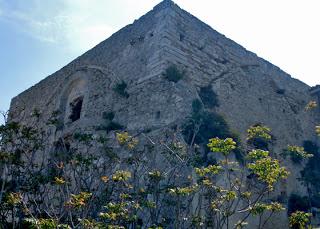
pixel 203 125
pixel 173 74
pixel 208 124
pixel 208 97
pixel 120 88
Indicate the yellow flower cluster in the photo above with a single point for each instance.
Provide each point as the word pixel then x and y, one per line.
pixel 259 131
pixel 318 130
pixel 155 175
pixel 268 170
pixel 259 208
pixel 59 180
pixel 311 105
pixel 127 140
pixel 297 150
pixel 211 169
pixel 224 146
pixel 14 198
pixel 80 200
pixel 116 211
pixel 183 191
pixel 121 175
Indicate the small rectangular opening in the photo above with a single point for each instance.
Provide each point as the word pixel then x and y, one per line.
pixel 75 109
pixel 181 38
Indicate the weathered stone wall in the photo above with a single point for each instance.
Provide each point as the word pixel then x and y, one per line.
pixel 250 89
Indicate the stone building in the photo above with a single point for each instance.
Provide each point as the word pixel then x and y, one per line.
pixel 125 75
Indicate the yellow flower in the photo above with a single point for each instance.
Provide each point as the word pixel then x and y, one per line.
pixel 59 180
pixel 121 175
pixel 126 140
pixel 318 130
pixel 207 182
pixel 78 201
pixel 14 198
pixel 122 137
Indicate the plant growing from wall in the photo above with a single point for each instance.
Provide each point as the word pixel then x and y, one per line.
pixel 204 124
pixel 121 89
pixel 173 74
pixel 208 97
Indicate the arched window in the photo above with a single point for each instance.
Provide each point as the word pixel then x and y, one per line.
pixel 73 100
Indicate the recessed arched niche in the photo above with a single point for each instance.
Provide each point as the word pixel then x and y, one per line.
pixel 73 99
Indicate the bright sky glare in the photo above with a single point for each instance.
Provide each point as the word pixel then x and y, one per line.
pixel 39 37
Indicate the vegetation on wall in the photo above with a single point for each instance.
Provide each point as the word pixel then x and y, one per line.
pixel 204 124
pixel 120 88
pixel 173 74
pixel 208 97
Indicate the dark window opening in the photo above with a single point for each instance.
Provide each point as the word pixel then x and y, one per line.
pixel 76 107
pixel 181 38
pixel 158 115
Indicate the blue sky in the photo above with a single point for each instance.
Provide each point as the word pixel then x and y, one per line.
pixel 38 37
